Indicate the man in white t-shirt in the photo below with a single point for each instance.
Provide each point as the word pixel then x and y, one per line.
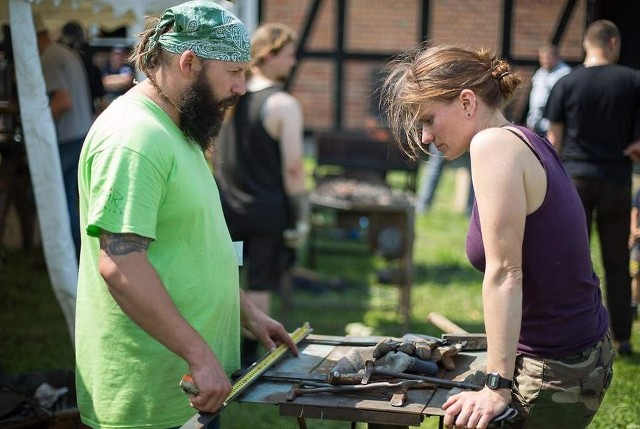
pixel 551 69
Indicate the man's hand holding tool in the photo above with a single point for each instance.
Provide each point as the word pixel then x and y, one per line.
pixel 212 383
pixel 211 407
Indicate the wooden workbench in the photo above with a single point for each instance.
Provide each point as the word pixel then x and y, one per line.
pixel 319 354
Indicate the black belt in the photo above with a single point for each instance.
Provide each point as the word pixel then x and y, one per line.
pixel 582 356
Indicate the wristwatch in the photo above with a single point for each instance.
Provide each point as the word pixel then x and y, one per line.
pixel 495 381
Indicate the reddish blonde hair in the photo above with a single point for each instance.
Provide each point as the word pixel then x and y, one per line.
pixel 440 73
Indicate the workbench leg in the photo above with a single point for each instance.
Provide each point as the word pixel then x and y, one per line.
pixel 302 424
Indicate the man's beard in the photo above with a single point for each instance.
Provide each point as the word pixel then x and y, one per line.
pixel 201 114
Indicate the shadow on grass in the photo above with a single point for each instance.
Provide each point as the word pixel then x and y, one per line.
pixel 337 295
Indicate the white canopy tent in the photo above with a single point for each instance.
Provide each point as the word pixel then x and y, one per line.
pixel 37 123
pixel 110 14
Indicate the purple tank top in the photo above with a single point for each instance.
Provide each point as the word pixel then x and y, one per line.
pixel 562 310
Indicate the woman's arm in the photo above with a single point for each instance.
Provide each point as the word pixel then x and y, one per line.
pixel 499 163
pixel 499 183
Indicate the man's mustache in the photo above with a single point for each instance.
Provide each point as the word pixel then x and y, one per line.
pixel 229 101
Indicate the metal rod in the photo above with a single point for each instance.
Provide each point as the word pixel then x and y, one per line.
pixel 433 380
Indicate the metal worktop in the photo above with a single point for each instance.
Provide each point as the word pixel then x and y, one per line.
pixel 319 354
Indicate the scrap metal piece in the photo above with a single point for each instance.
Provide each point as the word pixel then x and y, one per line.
pixel 399 397
pixel 368 370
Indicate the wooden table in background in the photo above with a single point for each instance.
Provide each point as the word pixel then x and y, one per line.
pixel 398 217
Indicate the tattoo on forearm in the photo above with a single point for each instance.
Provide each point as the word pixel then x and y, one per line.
pixel 122 244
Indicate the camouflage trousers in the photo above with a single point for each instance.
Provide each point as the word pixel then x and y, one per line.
pixel 562 393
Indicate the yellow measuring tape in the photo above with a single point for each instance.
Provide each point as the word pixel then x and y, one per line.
pixel 259 367
pixel 255 370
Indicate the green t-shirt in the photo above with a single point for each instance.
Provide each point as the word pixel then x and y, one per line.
pixel 138 174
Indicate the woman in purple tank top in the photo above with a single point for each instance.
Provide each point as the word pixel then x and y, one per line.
pixel 548 354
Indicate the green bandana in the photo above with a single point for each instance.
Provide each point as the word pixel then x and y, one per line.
pixel 205 28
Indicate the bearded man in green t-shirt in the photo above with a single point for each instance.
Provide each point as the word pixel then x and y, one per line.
pixel 158 292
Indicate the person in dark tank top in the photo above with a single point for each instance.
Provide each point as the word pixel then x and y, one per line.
pixel 543 309
pixel 260 171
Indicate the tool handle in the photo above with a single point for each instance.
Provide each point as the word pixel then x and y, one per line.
pixel 445 324
pixel 200 420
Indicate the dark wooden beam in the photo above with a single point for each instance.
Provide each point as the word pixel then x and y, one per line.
pixel 304 36
pixel 341 6
pixel 561 26
pixel 507 20
pixel 424 21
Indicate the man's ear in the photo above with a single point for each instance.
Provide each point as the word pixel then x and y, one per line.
pixel 190 64
pixel 268 57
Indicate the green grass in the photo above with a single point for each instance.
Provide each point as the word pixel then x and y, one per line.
pixel 33 335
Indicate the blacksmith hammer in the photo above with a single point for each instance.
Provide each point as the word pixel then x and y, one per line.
pixel 337 378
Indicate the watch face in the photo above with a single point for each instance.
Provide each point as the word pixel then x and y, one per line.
pixel 493 380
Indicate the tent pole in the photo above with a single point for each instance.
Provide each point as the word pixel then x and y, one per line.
pixel 44 161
